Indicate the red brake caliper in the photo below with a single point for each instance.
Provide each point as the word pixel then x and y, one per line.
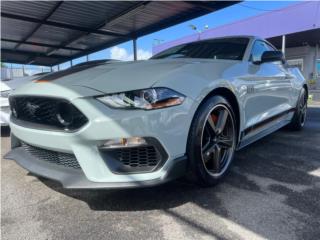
pixel 214 118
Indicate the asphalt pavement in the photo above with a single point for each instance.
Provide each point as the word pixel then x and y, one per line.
pixel 271 192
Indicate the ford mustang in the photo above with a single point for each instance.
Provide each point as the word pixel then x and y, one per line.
pixel 185 111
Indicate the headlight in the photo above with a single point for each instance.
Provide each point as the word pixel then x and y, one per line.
pixel 152 98
pixel 5 94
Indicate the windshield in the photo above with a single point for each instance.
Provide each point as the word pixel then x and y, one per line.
pixel 222 48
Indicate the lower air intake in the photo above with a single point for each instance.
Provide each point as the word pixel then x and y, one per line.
pixel 58 158
pixel 140 159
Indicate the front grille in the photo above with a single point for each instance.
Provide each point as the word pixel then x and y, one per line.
pixel 58 158
pixel 138 157
pixel 52 112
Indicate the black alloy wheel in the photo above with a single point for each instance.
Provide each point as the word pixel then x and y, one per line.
pixel 300 115
pixel 217 142
pixel 302 108
pixel 212 141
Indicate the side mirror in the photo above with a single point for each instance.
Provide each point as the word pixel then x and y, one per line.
pixel 272 56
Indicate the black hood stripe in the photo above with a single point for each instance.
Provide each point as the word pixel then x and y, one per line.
pixel 78 68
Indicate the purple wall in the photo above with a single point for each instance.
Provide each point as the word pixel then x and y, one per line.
pixel 297 18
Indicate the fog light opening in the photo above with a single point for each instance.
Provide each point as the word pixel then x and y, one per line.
pixel 123 142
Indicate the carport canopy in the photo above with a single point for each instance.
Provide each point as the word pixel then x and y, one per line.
pixel 48 33
pixel 297 39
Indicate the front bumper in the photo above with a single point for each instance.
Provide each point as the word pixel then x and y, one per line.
pixel 76 179
pixel 169 126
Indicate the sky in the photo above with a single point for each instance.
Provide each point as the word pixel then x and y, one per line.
pixel 144 44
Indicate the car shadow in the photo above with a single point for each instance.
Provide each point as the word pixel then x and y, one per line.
pixel 279 157
pixel 271 175
pixel 168 195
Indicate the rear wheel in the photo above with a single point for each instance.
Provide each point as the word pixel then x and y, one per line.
pixel 299 117
pixel 212 141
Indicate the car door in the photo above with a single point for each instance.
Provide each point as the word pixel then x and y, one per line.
pixel 268 87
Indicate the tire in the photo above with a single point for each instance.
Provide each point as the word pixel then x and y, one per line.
pixel 211 142
pixel 299 117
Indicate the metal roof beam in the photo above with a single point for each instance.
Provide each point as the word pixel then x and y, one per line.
pixel 40 44
pixel 202 5
pixel 61 25
pixel 56 6
pixel 207 5
pixel 130 10
pixel 32 54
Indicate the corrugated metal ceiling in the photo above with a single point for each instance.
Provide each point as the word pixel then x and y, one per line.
pixel 52 32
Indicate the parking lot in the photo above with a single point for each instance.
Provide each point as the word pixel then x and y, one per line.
pixel 272 192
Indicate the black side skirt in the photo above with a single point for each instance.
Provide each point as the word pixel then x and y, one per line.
pixel 278 121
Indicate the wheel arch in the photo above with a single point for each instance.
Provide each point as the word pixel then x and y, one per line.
pixel 232 99
pixel 305 86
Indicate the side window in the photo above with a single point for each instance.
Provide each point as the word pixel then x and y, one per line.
pixel 259 47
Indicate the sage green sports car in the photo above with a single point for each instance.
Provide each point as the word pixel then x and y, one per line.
pixel 133 124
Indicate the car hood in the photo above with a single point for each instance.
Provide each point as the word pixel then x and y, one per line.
pixel 116 77
pixel 86 81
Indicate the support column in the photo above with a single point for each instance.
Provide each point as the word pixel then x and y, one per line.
pixel 58 67
pixel 11 71
pixel 87 57
pixel 51 70
pixel 283 44
pixel 134 41
pixel 71 63
pixel 316 73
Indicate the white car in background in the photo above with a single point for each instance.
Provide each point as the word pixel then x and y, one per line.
pixel 6 87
